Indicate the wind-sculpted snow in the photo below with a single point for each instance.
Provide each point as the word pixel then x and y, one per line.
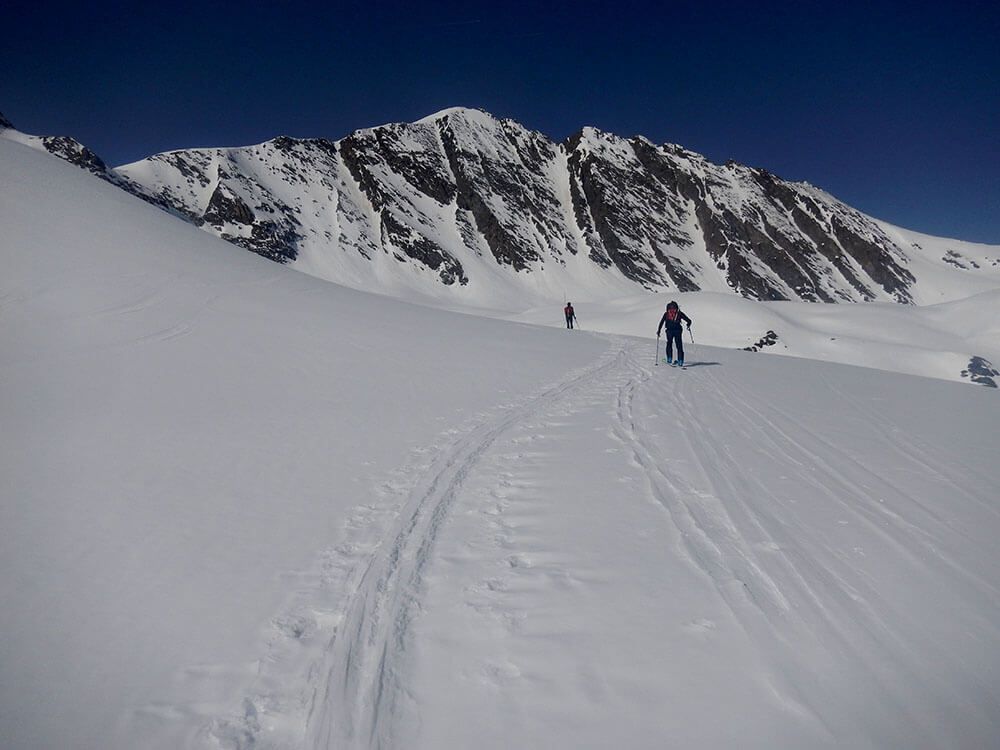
pixel 462 201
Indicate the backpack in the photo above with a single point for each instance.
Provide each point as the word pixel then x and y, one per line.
pixel 673 314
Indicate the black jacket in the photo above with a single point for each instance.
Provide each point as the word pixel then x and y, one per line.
pixel 672 325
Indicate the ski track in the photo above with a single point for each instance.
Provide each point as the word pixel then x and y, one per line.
pixel 806 605
pixel 364 598
pixel 922 456
pixel 713 543
pixel 363 689
pixel 895 528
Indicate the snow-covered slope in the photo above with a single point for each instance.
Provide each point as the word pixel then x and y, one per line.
pixel 242 507
pixel 186 428
pixel 947 270
pixel 751 553
pixel 471 210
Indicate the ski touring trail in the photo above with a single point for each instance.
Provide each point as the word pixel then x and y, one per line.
pixel 365 692
pixel 627 554
pixel 361 599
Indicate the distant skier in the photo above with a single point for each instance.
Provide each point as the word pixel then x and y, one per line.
pixel 671 321
pixel 570 315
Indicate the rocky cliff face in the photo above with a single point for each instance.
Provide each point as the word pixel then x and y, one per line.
pixel 461 196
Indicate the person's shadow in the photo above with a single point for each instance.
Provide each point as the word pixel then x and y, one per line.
pixel 701 364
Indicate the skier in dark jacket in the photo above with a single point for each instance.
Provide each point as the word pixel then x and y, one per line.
pixel 570 314
pixel 671 321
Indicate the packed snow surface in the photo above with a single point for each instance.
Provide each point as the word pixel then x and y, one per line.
pixel 243 507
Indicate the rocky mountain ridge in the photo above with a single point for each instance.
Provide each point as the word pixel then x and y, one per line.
pixel 458 198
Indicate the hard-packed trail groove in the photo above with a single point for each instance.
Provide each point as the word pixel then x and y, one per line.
pixel 362 690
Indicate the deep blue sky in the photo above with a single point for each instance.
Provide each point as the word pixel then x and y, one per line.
pixel 893 107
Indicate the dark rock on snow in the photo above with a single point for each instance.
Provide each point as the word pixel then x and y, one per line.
pixel 981 371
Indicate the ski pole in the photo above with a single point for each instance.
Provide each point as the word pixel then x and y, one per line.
pixel 656 357
pixel 691 334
